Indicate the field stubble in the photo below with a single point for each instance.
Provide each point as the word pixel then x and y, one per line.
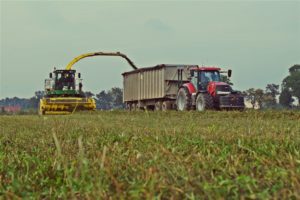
pixel 135 155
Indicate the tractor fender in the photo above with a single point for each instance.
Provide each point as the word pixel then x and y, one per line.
pixel 191 88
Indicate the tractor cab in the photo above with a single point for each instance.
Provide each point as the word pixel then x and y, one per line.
pixel 201 77
pixel 209 79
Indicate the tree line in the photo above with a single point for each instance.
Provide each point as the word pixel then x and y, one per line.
pixel 107 100
pixel 267 98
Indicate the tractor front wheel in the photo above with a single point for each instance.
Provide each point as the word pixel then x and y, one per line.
pixel 204 102
pixel 183 101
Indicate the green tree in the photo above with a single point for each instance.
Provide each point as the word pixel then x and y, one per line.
pixel 259 96
pixel 35 100
pixel 250 96
pixel 104 100
pixel 294 68
pixel 112 99
pixel 272 90
pixel 39 94
pixel 285 98
pixel 255 97
pixel 89 94
pixel 292 82
pixel 117 97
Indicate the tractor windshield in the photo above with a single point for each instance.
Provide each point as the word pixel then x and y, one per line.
pixel 208 76
pixel 65 81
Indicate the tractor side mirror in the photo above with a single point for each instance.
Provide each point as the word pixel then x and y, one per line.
pixel 79 75
pixel 50 75
pixel 229 73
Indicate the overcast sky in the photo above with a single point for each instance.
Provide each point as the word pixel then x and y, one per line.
pixel 259 41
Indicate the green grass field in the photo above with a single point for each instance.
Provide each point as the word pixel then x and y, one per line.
pixel 134 155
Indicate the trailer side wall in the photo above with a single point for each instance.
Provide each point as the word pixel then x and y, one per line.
pixel 158 82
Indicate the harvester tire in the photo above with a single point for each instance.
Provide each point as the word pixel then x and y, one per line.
pixel 183 100
pixel 204 102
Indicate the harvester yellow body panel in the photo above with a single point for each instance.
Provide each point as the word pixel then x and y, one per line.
pixel 65 105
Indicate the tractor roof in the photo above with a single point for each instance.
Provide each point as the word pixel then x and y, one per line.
pixel 206 68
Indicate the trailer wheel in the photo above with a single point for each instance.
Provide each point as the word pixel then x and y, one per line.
pixel 150 108
pixel 133 107
pixel 129 106
pixel 166 105
pixel 183 101
pixel 158 106
pixel 204 102
pixel 137 107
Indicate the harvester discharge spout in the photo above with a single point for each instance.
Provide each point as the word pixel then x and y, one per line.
pixel 75 60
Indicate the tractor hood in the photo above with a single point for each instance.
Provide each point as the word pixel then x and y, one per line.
pixel 217 83
pixel 218 88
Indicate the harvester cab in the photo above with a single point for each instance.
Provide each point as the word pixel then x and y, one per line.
pixel 205 90
pixel 64 83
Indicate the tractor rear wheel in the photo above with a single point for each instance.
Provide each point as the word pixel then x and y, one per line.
pixel 183 101
pixel 204 102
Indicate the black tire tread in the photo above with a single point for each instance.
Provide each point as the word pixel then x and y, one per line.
pixel 188 97
pixel 208 101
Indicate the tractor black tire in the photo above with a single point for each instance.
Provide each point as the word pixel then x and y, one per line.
pixel 183 100
pixel 204 102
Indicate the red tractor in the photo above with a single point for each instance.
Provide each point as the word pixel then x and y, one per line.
pixel 204 90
